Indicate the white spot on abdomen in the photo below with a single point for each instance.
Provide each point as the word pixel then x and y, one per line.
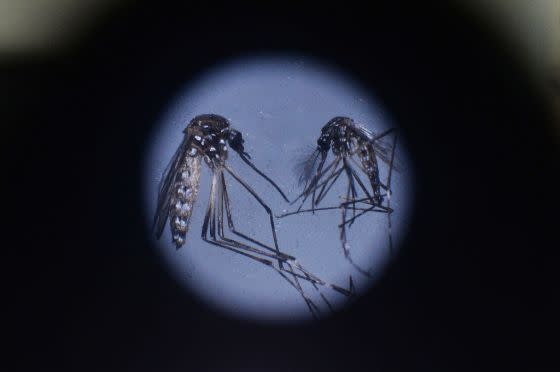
pixel 183 198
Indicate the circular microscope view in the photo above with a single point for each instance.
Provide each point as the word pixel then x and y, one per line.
pixel 277 189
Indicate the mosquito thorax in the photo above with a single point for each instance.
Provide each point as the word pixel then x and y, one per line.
pixel 208 135
pixel 340 135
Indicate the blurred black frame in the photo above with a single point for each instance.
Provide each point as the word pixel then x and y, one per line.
pixel 471 290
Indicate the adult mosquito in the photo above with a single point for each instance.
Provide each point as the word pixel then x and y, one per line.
pixel 207 137
pixel 356 150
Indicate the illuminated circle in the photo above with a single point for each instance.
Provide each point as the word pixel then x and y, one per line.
pixel 279 104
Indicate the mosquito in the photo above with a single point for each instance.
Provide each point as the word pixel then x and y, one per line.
pixel 355 149
pixel 207 138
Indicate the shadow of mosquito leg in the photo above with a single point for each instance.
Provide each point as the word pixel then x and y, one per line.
pixel 263 204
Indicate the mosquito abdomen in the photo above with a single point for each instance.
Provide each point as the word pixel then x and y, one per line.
pixel 185 191
pixel 369 163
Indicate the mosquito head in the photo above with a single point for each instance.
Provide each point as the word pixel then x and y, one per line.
pixel 324 143
pixel 235 140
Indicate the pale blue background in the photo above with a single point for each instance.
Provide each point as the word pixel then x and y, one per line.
pixel 280 105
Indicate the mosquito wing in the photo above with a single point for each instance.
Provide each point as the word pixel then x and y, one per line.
pixel 306 165
pixel 165 187
pixel 384 150
pixel 364 133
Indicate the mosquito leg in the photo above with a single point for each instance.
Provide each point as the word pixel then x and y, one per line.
pixel 307 179
pixel 332 178
pixel 204 234
pixel 289 259
pixel 263 204
pixel 369 198
pixel 343 227
pixel 307 275
pixel 360 183
pixel 209 223
pixel 313 184
pixel 310 183
pixel 389 193
pixel 248 162
pixel 351 184
pixel 381 208
pixel 358 179
pixel 222 195
pixel 360 167
pixel 325 182
pixel 338 207
pixel 231 226
pixel 321 173
pixel 351 220
pixel 324 193
pixel 238 246
pixel 310 304
pixel 361 200
pixel 343 237
pixel 208 211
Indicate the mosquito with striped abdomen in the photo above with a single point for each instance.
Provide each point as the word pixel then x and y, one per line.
pixel 354 148
pixel 207 137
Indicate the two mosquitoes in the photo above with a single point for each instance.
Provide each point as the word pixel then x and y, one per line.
pixel 355 149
